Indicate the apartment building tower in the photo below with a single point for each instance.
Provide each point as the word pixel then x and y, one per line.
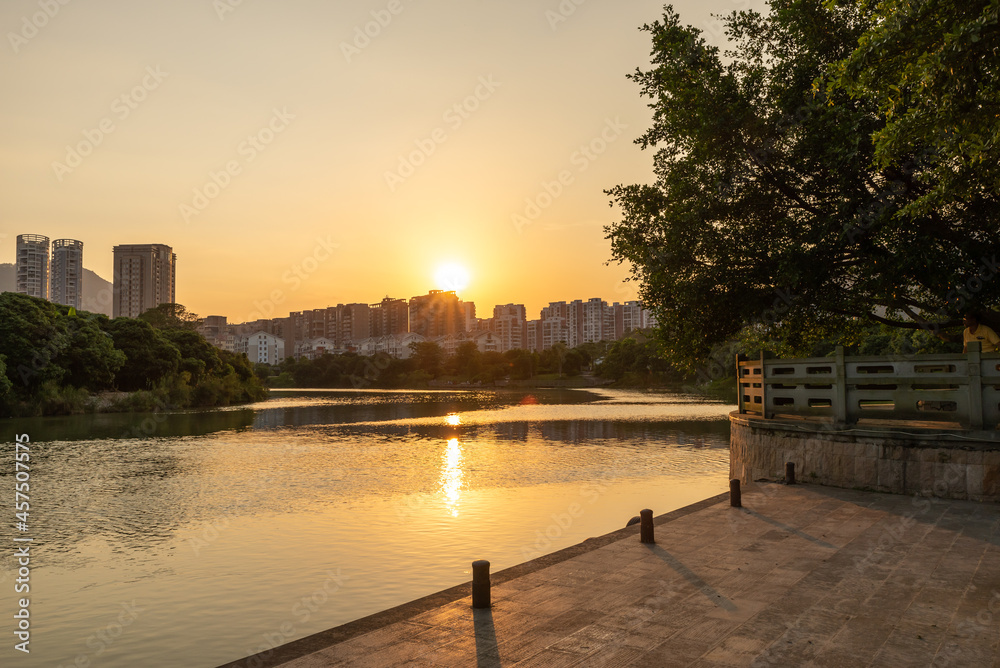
pixel 389 317
pixel 510 326
pixel 33 265
pixel 438 313
pixel 67 272
pixel 144 278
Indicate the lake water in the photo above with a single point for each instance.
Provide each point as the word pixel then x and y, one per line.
pixel 196 538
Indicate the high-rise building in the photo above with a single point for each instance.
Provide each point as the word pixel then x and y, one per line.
pixel 67 272
pixel 468 311
pixel 630 316
pixel 534 337
pixel 389 317
pixel 510 326
pixel 437 313
pixel 354 323
pixel 598 321
pixel 145 276
pixel 33 265
pixel 555 323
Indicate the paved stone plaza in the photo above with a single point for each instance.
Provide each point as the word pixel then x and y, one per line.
pixel 800 576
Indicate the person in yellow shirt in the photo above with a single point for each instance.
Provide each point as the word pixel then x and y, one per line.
pixel 976 331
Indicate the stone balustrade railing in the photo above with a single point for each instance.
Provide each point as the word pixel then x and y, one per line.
pixel 947 388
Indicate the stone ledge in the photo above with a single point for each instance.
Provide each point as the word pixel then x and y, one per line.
pixel 905 459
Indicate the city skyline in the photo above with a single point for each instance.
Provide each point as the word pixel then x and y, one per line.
pixel 391 144
pixel 389 327
pixel 139 264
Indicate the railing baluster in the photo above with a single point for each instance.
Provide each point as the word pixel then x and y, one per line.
pixel 842 413
pixel 975 386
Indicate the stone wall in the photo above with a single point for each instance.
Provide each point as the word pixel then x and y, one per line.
pixel 885 459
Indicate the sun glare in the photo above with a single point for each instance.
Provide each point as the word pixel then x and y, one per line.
pixel 452 277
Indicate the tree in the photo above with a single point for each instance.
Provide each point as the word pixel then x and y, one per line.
pixel 551 359
pixel 91 359
pixel 629 358
pixel 198 356
pixel 932 68
pixel 574 361
pixel 148 356
pixel 467 361
pixel 5 385
pixel 33 334
pixel 769 210
pixel 427 357
pixel 521 364
pixel 170 316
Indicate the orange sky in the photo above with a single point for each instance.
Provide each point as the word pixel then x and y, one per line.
pixel 331 152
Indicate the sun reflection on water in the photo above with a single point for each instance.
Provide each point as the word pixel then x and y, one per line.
pixel 451 475
pixel 453 420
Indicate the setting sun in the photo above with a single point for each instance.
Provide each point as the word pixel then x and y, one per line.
pixel 452 277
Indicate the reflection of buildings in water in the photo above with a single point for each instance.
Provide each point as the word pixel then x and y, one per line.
pixel 269 418
pixel 512 431
pixel 579 431
pixel 451 475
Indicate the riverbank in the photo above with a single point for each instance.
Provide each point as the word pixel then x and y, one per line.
pixel 68 401
pixel 800 574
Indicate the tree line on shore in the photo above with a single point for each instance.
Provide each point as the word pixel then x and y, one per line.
pixel 56 360
pixel 632 361
pixel 636 361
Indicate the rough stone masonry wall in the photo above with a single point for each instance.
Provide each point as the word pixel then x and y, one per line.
pixel 882 459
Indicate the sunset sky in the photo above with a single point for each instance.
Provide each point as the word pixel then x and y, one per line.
pixel 282 151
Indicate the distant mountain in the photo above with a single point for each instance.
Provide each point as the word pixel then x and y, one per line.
pixel 96 291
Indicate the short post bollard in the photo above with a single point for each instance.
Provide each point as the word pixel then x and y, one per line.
pixel 735 500
pixel 481 584
pixel 789 473
pixel 646 526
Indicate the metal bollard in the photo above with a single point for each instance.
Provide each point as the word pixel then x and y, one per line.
pixel 789 473
pixel 481 584
pixel 735 500
pixel 646 526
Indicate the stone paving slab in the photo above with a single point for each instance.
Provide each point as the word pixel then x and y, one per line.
pixel 800 576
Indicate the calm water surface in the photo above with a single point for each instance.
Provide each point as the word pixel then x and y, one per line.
pixel 196 538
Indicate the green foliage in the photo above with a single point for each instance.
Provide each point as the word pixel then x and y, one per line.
pixel 64 356
pixel 149 356
pixel 931 68
pixel 198 356
pixel 53 399
pixel 91 359
pixel 550 360
pixel 771 211
pixel 283 379
pixel 882 340
pixel 520 364
pixel 170 316
pixel 635 363
pixel 428 357
pixel 32 336
pixel 5 384
pixel 467 360
pixel 574 362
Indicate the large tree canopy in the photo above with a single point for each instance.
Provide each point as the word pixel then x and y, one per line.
pixel 770 205
pixel 931 65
